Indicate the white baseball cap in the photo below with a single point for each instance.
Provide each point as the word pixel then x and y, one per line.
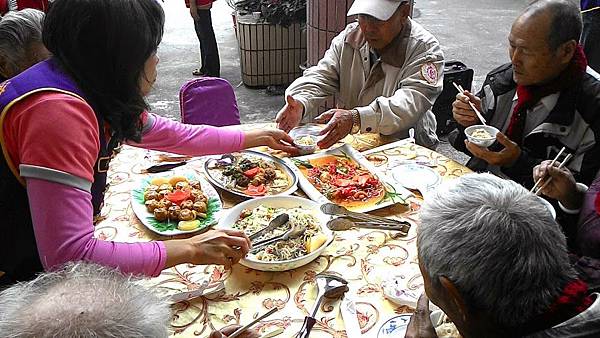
pixel 379 9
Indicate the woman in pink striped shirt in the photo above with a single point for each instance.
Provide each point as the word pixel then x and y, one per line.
pixel 60 119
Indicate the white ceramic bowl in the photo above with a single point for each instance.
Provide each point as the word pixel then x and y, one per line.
pixel 482 142
pixel 306 149
pixel 250 261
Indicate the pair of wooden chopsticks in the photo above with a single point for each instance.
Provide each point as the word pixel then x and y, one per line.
pixel 479 114
pixel 537 189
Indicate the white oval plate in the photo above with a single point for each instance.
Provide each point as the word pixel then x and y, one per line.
pixel 233 215
pixel 137 203
pixel 415 176
pixel 215 176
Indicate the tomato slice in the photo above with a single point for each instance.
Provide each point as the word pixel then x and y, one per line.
pixel 256 190
pixel 341 182
pixel 179 196
pixel 251 172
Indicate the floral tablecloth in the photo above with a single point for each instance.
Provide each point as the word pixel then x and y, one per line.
pixel 364 257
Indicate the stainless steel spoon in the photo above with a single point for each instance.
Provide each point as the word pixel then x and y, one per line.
pixel 295 231
pixel 329 286
pixel 343 223
pixel 336 210
pixel 274 224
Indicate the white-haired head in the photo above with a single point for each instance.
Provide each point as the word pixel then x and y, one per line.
pixel 82 300
pixel 21 41
pixel 498 244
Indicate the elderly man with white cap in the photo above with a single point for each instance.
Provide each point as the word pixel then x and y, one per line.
pixel 385 71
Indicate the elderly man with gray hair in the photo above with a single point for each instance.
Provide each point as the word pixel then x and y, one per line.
pixel 87 300
pixel 21 41
pixel 495 261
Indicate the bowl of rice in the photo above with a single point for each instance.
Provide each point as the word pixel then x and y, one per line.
pixel 253 215
pixel 481 135
pixel 306 144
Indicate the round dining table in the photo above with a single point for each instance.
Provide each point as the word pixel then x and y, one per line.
pixel 206 298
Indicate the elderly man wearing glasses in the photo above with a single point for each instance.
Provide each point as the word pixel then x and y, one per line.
pixel 385 71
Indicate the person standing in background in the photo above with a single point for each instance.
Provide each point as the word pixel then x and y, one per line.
pixel 17 5
pixel 590 11
pixel 200 12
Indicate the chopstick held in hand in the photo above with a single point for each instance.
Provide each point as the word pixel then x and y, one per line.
pixel 551 164
pixel 477 112
pixel 567 158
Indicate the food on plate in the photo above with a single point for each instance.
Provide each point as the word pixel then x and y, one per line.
pixel 250 175
pixel 251 221
pixel 342 180
pixel 176 199
pixel 188 225
pixel 315 242
pixel 305 140
pixel 481 133
pixel 446 328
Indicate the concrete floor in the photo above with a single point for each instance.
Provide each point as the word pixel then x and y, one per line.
pixel 472 31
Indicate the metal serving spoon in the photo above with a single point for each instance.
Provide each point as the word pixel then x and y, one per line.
pixel 329 286
pixel 274 224
pixel 295 231
pixel 343 223
pixel 336 210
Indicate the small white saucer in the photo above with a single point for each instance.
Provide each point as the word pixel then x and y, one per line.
pixel 394 327
pixel 416 176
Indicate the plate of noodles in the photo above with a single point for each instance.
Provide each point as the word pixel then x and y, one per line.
pixel 253 215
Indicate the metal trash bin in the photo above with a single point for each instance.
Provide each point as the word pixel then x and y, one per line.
pixel 269 54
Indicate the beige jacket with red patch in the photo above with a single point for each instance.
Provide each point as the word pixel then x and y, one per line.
pixel 397 93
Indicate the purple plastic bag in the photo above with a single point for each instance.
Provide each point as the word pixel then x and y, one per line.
pixel 209 101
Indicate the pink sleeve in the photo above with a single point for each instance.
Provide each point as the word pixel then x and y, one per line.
pixel 64 232
pixel 192 140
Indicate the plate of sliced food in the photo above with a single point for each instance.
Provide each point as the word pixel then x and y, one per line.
pixel 251 174
pixel 176 204
pixel 345 177
pixel 287 232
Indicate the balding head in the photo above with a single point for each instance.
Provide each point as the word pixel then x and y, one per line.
pixel 561 18
pixel 543 41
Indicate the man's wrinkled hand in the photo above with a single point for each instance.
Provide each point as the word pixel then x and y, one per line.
pixel 504 158
pixel 290 115
pixel 462 111
pixel 339 124
pixel 420 325
pixel 562 187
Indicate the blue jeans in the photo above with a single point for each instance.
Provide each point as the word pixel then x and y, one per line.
pixel 208 44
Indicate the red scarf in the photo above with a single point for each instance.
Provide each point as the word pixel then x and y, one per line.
pixel 529 96
pixel 573 300
pixel 597 203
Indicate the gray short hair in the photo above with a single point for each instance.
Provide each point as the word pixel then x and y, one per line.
pixel 82 300
pixel 497 243
pixel 566 23
pixel 18 31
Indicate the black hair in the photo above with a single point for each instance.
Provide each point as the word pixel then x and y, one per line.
pixel 566 23
pixel 103 45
